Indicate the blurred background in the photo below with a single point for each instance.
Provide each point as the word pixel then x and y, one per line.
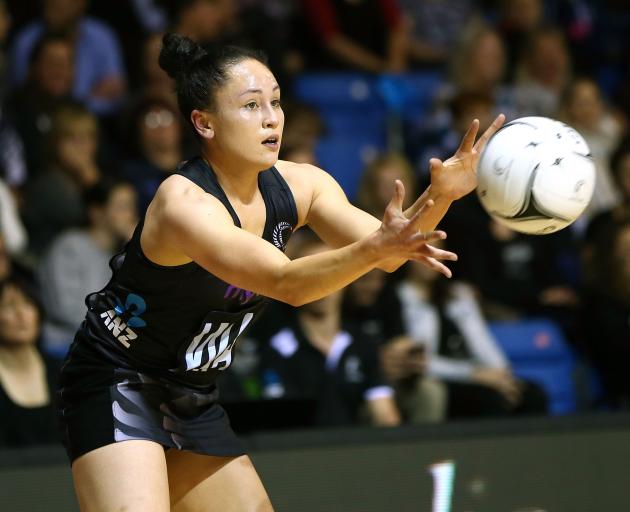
pixel 530 339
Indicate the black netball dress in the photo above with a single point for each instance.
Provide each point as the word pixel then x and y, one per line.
pixel 145 361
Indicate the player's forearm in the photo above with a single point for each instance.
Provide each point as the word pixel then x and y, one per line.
pixel 312 277
pixel 434 215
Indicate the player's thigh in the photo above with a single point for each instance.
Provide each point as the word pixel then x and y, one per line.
pixel 129 475
pixel 204 483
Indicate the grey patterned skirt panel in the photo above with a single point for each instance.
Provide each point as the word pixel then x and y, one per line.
pixel 100 404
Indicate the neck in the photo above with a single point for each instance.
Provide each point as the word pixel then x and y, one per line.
pixel 238 181
pixel 18 356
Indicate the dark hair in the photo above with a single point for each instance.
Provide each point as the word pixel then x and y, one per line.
pixel 26 288
pixel 199 71
pixel 45 40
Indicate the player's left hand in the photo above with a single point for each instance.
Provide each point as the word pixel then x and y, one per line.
pixel 457 176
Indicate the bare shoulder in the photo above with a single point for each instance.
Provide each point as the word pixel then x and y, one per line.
pixel 178 205
pixel 299 174
pixel 178 195
pixel 305 181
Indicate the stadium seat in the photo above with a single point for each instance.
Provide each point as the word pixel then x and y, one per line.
pixel 343 90
pixel 345 158
pixel 538 351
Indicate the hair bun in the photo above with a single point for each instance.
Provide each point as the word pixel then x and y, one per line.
pixel 178 54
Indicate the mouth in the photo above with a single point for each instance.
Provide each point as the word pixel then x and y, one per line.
pixel 272 142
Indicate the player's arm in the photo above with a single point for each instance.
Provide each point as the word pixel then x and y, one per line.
pixel 198 225
pixel 339 223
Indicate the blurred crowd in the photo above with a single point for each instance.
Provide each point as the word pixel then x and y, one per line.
pixel 89 127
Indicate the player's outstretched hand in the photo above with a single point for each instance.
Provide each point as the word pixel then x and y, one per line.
pixel 401 237
pixel 457 176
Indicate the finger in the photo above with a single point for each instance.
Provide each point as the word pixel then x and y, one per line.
pixel 483 140
pixel 434 264
pixel 469 139
pixel 398 197
pixel 438 254
pixel 431 236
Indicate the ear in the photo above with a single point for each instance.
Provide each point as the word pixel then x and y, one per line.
pixel 202 123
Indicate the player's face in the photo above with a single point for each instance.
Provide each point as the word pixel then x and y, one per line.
pixel 248 121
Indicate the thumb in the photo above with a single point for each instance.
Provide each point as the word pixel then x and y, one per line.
pixel 435 164
pixel 398 197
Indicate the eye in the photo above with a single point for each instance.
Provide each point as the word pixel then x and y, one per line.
pixel 251 105
pixel 276 104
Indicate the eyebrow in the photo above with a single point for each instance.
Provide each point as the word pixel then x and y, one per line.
pixel 258 91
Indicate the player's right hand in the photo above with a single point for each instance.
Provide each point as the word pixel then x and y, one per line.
pixel 401 237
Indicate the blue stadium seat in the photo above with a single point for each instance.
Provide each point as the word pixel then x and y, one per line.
pixel 345 158
pixel 355 109
pixel 538 351
pixel 411 94
pixel 340 90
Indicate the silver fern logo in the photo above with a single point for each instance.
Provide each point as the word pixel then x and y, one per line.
pixel 278 237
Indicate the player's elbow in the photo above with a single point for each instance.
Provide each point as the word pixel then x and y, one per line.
pixel 294 297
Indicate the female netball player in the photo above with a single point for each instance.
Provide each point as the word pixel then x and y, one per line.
pixel 138 395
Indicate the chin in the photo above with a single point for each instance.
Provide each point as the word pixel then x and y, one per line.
pixel 268 161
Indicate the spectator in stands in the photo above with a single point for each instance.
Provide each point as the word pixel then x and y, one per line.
pixel 620 166
pixel 5 27
pixel 157 128
pixel 475 89
pixel 377 182
pixel 444 318
pixel 543 73
pixel 53 200
pixel 12 267
pixel 584 109
pixel 48 85
pixel 435 27
pixel 99 78
pixel 77 262
pixel 11 228
pixel 155 83
pixel 375 312
pixel 442 138
pixel 607 310
pixel 518 21
pixel 27 377
pixel 204 21
pixel 317 357
pixel 5 260
pixel 366 35
pixel 303 129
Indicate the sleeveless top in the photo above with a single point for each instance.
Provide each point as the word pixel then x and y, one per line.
pixel 181 322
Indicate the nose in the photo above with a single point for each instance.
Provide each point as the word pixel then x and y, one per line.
pixel 271 118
